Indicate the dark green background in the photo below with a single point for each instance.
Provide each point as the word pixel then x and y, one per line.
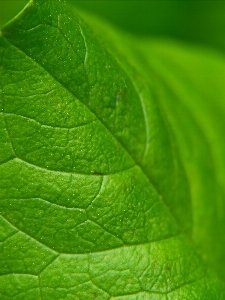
pixel 194 21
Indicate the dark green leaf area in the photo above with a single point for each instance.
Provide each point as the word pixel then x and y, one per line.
pixel 75 59
pixel 63 140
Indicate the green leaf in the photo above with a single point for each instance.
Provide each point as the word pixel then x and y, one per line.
pixel 112 163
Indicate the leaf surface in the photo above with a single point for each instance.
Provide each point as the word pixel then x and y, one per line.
pixel 97 194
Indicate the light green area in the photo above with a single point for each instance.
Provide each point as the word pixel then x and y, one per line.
pixel 19 287
pixel 112 168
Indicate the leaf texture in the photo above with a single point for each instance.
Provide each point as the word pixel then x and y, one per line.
pixel 104 189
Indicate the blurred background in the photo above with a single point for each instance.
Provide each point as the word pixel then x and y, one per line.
pixel 196 21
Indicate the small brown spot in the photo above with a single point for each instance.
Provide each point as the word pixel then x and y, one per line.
pixel 97 173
